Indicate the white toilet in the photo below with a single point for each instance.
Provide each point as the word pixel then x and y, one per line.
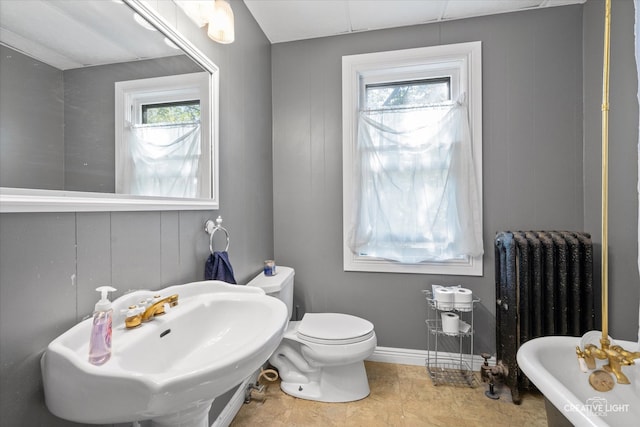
pixel 322 356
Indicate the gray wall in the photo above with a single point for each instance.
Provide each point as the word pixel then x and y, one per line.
pixel 624 288
pixel 31 122
pixel 50 263
pixel 532 159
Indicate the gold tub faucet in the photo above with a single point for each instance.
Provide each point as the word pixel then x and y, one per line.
pixel 615 355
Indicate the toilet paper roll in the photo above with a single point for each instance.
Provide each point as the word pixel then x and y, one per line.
pixel 444 298
pixel 462 299
pixel 450 323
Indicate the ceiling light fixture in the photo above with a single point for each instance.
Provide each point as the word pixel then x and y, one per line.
pixel 216 13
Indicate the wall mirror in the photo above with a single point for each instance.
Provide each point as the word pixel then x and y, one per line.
pixel 66 132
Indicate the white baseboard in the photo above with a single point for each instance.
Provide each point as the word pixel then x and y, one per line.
pixel 407 356
pixel 400 356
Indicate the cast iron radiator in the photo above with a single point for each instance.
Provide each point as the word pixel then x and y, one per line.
pixel 544 286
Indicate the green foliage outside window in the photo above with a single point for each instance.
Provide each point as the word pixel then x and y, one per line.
pixel 174 112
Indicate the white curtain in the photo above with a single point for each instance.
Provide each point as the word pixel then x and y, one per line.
pixel 161 160
pixel 416 196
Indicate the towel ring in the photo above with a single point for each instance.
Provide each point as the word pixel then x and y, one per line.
pixel 211 230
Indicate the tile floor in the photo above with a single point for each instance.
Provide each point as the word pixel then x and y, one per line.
pixel 401 395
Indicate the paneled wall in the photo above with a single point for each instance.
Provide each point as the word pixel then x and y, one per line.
pixel 532 159
pixel 50 263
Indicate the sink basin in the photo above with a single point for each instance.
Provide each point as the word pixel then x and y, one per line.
pixel 551 363
pixel 168 370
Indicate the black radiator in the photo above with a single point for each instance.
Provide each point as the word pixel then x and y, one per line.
pixel 544 286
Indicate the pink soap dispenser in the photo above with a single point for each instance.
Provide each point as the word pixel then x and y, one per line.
pixel 100 342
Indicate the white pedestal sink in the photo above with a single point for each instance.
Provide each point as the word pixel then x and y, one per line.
pixel 168 370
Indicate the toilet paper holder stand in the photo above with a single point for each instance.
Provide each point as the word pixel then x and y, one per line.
pixel 444 367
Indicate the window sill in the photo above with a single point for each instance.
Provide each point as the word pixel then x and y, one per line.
pixel 472 267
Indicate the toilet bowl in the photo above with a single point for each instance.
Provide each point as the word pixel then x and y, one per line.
pixel 322 356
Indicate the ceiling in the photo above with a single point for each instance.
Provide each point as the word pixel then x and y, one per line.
pixel 76 33
pixel 289 20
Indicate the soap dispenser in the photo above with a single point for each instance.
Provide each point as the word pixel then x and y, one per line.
pixel 100 342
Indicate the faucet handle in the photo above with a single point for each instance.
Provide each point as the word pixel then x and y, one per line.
pixel 581 362
pixel 626 354
pixel 133 317
pixel 486 357
pixel 146 302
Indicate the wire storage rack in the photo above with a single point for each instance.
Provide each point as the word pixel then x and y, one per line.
pixel 450 354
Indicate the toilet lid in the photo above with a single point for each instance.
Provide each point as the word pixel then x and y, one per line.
pixel 334 328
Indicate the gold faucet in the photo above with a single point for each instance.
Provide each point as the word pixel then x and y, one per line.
pixel 615 355
pixel 157 308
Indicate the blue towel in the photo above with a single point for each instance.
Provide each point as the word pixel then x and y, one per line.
pixel 218 267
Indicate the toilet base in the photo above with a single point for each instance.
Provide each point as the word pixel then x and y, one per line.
pixel 344 383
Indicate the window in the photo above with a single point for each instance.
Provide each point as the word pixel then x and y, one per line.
pixel 171 112
pixel 412 178
pixel 162 129
pixel 419 93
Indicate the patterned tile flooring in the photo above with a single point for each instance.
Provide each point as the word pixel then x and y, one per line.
pixel 401 395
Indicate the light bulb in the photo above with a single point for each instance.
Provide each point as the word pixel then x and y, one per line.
pixel 221 27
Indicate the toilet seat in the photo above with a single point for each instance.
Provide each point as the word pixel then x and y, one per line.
pixel 334 329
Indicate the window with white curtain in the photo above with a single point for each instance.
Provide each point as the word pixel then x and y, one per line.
pixel 412 146
pixel 161 134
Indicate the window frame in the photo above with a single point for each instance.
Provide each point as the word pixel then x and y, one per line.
pixel 404 65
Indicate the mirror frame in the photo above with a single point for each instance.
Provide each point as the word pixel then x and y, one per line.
pixel 32 200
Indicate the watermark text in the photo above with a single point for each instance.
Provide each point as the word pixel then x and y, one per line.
pixel 598 406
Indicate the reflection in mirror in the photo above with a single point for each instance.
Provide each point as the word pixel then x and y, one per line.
pixel 58 127
pixel 160 122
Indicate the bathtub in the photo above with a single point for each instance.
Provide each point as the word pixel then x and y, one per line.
pixel 551 364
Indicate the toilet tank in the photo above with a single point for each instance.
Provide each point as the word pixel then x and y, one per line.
pixel 280 285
